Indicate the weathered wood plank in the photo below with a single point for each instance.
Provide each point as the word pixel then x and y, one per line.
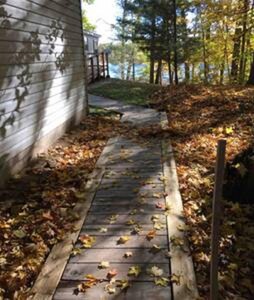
pixel 103 219
pixel 127 209
pixel 118 230
pixel 135 241
pixel 138 290
pixel 76 271
pixel 142 255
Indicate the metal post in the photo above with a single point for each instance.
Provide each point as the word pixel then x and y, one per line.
pixel 216 217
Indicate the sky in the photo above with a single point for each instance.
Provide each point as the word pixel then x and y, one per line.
pixel 103 13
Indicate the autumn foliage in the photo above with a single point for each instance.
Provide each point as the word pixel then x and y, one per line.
pixel 198 117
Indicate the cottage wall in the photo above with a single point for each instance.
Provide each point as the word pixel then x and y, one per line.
pixel 42 76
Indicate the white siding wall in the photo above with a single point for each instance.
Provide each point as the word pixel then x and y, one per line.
pixel 42 74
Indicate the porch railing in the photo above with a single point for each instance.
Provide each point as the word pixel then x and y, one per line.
pixel 98 67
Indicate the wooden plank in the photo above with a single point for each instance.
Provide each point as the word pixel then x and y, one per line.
pixel 116 256
pixel 135 202
pixel 127 209
pixel 52 270
pixel 118 230
pixel 181 260
pixel 103 219
pixel 135 241
pixel 74 272
pixel 138 290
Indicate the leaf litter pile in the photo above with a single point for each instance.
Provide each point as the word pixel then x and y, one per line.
pixel 36 207
pixel 198 117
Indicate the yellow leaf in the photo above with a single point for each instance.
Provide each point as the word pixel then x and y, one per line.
pixel 103 265
pixel 134 271
pixel 162 281
pixel 123 239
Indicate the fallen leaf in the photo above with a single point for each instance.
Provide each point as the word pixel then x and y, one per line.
pixel 76 251
pixel 134 271
pixel 128 254
pixel 150 235
pixel 154 271
pixel 103 230
pixel 123 240
pixel 123 284
pixel 110 288
pixel 161 281
pixel 112 273
pixel 112 219
pixel 155 249
pixel 19 233
pixel 87 241
pixel 103 265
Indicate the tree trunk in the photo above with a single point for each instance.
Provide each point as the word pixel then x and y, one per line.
pixel 236 54
pixel 123 31
pixel 243 48
pixel 158 73
pixel 170 73
pixel 251 76
pixel 193 72
pixel 128 73
pixel 175 42
pixel 187 72
pixel 222 68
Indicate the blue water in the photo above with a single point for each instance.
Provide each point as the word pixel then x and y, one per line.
pixel 141 72
pixel 140 69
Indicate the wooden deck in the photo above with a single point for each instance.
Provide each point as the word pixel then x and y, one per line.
pixel 136 181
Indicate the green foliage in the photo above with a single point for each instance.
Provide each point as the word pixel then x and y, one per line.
pixel 86 23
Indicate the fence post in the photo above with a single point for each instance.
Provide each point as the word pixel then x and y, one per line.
pixel 107 65
pixel 98 66
pixel 103 63
pixel 216 217
pixel 92 68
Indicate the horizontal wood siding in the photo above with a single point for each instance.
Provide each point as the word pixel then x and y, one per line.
pixel 42 76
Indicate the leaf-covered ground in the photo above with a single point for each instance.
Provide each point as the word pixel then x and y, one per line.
pixel 198 117
pixel 36 207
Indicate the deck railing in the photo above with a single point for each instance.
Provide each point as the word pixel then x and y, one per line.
pixel 98 67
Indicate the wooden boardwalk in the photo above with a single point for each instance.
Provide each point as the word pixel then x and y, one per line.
pixel 129 202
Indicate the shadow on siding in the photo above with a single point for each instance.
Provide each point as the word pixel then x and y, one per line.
pixel 13 121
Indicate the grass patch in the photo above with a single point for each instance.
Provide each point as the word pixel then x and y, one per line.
pixel 130 92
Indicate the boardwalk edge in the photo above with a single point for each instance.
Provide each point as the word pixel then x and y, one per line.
pixel 52 270
pixel 181 260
